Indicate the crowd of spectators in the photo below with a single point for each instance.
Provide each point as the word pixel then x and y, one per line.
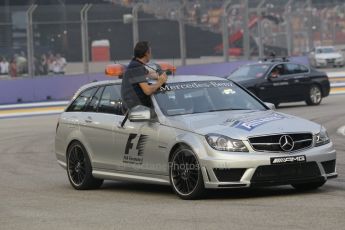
pixel 328 17
pixel 45 64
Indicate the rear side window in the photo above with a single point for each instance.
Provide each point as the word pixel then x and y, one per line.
pixel 80 102
pixel 111 101
pixel 92 106
pixel 295 68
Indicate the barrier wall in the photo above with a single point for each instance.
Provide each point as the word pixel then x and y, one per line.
pixel 62 87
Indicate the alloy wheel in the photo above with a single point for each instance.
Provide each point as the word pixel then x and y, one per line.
pixel 315 95
pixel 184 172
pixel 76 165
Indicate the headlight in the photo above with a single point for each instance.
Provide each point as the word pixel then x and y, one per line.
pixel 321 138
pixel 340 59
pixel 224 143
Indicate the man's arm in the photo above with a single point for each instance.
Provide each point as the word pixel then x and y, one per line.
pixel 150 89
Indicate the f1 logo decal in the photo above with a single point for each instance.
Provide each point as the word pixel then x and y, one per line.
pixel 141 141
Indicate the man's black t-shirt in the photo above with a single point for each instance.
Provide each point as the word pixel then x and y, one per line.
pixel 131 92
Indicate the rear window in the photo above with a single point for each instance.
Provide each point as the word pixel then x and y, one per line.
pixel 111 101
pixel 80 102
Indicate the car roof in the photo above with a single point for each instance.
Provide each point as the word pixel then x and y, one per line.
pixel 171 79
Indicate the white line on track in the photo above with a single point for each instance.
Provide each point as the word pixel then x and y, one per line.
pixel 336 74
pixel 2 116
pixel 39 104
pixel 341 130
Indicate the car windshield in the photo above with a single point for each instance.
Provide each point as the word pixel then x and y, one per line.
pixel 204 96
pixel 249 72
pixel 325 50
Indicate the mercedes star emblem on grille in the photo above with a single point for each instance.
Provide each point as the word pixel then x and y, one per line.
pixel 286 143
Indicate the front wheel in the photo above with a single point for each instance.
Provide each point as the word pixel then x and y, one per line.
pixel 309 186
pixel 185 174
pixel 314 95
pixel 79 168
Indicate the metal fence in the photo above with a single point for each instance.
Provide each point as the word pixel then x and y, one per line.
pixel 36 39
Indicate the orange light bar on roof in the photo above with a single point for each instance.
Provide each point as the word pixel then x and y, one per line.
pixel 167 67
pixel 114 70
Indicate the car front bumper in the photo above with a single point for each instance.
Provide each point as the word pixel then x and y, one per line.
pixel 236 170
pixel 330 62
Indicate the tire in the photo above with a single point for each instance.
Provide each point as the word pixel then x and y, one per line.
pixel 309 186
pixel 79 169
pixel 314 95
pixel 185 174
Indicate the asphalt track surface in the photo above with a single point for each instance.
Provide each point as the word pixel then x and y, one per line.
pixel 35 192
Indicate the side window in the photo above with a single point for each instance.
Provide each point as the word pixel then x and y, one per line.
pixel 111 101
pixel 92 106
pixel 277 71
pixel 296 68
pixel 291 68
pixel 304 69
pixel 80 102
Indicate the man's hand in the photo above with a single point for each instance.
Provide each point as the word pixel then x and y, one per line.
pixel 150 89
pixel 162 78
pixel 153 74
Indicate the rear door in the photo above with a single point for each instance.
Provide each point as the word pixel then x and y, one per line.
pixel 70 120
pixel 99 119
pixel 299 81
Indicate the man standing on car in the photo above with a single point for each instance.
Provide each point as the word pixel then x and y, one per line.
pixel 135 88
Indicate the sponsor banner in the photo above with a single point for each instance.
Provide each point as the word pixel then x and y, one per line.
pixel 195 85
pixel 251 123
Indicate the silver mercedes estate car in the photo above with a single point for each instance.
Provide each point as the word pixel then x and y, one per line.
pixel 202 133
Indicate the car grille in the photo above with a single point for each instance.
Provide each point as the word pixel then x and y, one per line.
pixel 328 166
pixel 271 143
pixel 285 173
pixel 330 60
pixel 229 175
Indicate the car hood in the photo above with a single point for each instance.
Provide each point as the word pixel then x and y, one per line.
pixel 242 124
pixel 328 55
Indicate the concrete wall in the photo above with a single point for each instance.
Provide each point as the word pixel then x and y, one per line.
pixel 43 88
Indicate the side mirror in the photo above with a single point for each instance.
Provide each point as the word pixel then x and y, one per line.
pixel 139 113
pixel 270 106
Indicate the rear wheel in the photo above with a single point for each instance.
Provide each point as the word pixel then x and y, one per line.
pixel 79 168
pixel 314 95
pixel 309 186
pixel 185 174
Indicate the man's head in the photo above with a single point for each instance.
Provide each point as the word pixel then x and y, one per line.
pixel 142 51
